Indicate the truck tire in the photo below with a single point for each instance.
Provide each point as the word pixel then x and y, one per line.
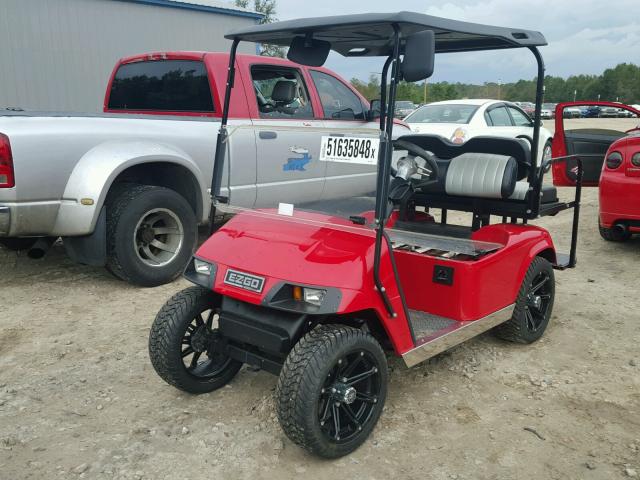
pixel 180 339
pixel 331 390
pixel 151 234
pixel 533 306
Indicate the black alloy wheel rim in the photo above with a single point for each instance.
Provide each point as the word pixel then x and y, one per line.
pixel 349 396
pixel 198 352
pixel 538 299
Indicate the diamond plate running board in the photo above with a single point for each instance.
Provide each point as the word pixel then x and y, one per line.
pixel 441 340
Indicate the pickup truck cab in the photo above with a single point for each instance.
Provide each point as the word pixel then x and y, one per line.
pixel 126 189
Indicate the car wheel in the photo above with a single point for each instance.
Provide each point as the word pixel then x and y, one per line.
pixel 613 234
pixel 331 390
pixel 547 152
pixel 533 306
pixel 182 343
pixel 151 234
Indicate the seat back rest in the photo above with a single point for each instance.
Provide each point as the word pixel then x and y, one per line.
pixel 284 91
pixel 482 175
pixel 517 148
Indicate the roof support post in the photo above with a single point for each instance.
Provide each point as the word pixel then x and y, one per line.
pixel 221 142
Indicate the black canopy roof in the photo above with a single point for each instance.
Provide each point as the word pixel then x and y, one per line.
pixel 373 32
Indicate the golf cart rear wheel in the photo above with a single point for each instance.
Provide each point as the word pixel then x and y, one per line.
pixel 182 343
pixel 533 306
pixel 331 390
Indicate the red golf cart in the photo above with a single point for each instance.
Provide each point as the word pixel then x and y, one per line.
pixel 318 293
pixel 611 157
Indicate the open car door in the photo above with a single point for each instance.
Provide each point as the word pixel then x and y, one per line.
pixel 588 134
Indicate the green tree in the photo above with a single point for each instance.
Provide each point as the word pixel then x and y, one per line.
pixel 268 9
pixel 621 83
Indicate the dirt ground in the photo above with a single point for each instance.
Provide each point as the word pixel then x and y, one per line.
pixel 79 398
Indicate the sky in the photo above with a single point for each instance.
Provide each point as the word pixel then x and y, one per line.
pixel 584 36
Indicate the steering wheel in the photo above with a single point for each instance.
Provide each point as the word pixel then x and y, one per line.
pixel 431 173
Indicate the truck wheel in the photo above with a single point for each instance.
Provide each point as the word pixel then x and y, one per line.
pixel 533 306
pixel 151 234
pixel 17 244
pixel 331 390
pixel 182 343
pixel 612 234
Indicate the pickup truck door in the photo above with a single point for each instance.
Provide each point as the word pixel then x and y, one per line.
pixel 588 137
pixel 287 137
pixel 344 116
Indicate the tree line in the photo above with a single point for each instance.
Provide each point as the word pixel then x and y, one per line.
pixel 621 84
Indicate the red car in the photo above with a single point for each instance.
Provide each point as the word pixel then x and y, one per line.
pixel 611 159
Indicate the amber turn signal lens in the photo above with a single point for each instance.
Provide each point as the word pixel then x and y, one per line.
pixel 297 294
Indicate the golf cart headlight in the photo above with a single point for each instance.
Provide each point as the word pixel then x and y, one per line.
pixel 314 296
pixel 459 136
pixel 201 267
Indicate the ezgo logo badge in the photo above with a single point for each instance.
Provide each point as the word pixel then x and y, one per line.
pixel 244 281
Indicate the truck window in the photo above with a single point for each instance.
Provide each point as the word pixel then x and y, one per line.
pixel 338 101
pixel 280 92
pixel 162 85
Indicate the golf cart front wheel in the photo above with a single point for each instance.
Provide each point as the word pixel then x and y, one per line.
pixel 182 343
pixel 331 390
pixel 534 305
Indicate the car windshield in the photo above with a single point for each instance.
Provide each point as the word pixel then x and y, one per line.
pixel 548 106
pixel 443 113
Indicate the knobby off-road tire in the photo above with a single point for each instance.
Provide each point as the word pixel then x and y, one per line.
pixel 612 235
pixel 531 314
pixel 312 391
pixel 141 218
pixel 180 333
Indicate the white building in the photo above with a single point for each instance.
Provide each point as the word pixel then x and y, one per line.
pixel 57 55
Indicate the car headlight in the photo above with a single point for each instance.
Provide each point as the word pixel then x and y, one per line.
pixel 201 267
pixel 314 296
pixel 459 136
pixel 636 159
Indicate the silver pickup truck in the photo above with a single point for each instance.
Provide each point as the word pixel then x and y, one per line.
pixel 127 189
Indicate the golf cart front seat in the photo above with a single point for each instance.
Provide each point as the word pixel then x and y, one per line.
pixel 483 167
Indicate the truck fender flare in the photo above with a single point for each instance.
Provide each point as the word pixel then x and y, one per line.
pixel 92 177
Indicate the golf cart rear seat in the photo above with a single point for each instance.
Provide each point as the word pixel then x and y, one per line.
pixel 482 168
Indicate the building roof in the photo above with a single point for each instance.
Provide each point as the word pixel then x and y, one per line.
pixel 208 6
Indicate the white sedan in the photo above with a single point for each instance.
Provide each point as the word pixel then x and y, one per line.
pixel 460 120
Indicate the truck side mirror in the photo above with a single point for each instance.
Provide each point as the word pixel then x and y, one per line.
pixel 375 110
pixel 419 56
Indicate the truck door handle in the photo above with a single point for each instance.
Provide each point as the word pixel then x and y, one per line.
pixel 336 134
pixel 267 135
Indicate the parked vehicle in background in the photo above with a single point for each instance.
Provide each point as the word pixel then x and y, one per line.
pixel 127 189
pixel 528 107
pixel 573 113
pixel 404 108
pixel 548 111
pixel 608 112
pixel 460 120
pixel 622 113
pixel 611 159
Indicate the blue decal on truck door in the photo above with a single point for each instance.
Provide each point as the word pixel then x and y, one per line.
pixel 297 163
